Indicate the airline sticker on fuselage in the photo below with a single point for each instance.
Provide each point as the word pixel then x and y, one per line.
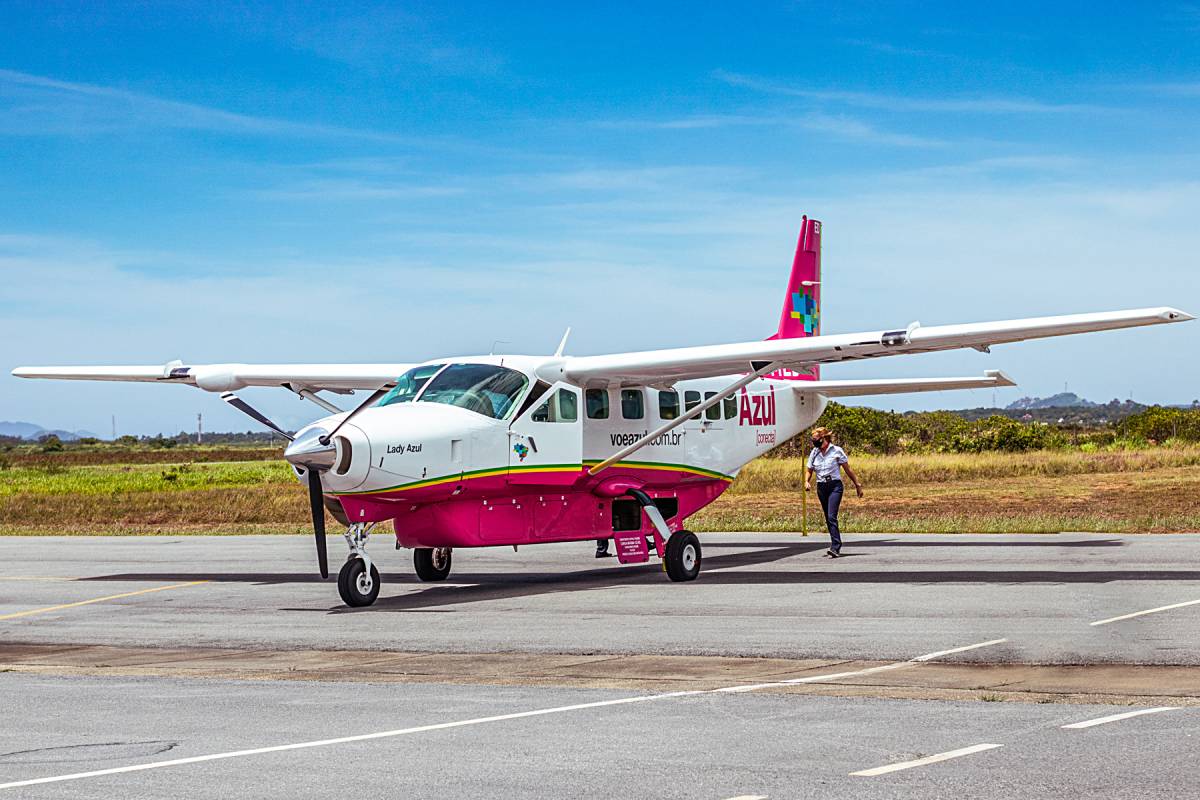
pixel 757 409
pixel 668 439
pixel 404 448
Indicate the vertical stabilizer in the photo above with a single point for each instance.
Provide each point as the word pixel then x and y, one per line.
pixel 802 304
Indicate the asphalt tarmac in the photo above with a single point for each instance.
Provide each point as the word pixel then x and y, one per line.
pixel 546 673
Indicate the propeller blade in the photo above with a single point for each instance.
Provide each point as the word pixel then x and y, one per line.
pixel 250 411
pixel 317 501
pixel 375 395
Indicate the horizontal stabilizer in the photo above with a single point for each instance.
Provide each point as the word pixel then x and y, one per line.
pixel 991 379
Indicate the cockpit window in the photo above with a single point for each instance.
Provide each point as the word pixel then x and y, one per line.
pixel 409 384
pixel 482 388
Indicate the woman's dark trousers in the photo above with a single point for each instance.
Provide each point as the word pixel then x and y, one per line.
pixel 830 494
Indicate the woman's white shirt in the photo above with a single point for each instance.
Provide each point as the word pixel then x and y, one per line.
pixel 827 465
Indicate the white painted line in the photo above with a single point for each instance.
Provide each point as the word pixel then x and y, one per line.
pixel 920 762
pixel 1074 726
pixel 748 797
pixel 940 653
pixel 279 748
pixel 175 762
pixel 1147 611
pixel 833 676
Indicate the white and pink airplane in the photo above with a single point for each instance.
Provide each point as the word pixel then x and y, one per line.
pixel 506 450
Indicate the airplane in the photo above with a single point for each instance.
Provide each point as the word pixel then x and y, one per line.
pixel 509 450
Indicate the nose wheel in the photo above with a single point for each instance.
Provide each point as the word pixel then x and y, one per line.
pixel 358 583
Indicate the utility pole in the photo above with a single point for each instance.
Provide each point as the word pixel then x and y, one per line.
pixel 114 427
pixel 199 428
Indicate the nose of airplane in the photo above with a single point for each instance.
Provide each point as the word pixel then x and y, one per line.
pixel 309 452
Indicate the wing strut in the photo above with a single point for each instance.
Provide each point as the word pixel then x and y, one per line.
pixel 759 368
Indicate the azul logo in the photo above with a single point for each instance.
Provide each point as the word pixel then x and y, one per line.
pixel 804 308
pixel 757 409
pixel 521 451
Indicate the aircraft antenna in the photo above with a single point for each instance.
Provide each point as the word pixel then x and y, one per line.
pixel 562 343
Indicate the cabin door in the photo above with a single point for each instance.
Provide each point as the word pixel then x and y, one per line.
pixel 546 442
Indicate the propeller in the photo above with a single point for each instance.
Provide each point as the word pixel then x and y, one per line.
pixel 250 411
pixel 371 398
pixel 317 503
pixel 312 452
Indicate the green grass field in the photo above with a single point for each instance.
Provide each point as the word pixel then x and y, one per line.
pixel 1151 489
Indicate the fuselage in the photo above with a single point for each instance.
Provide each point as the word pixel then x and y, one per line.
pixel 493 451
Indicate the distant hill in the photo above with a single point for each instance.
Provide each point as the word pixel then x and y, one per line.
pixel 32 432
pixel 1060 400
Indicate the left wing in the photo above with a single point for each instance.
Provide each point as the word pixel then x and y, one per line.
pixel 228 377
pixel 667 366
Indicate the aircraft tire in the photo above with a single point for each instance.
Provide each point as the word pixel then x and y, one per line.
pixel 682 558
pixel 357 592
pixel 432 563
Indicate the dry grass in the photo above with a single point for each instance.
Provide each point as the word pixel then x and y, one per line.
pixel 1154 490
pixel 1139 491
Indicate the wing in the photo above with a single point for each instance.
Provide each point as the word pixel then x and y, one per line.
pixel 667 366
pixel 228 377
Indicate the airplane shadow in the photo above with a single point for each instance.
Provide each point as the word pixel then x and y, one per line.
pixel 489 586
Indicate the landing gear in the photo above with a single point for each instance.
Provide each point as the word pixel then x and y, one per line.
pixel 358 580
pixel 432 563
pixel 682 558
pixel 358 585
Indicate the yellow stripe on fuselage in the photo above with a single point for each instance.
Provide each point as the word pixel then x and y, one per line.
pixel 487 473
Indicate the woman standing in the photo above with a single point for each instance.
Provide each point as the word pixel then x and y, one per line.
pixel 827 460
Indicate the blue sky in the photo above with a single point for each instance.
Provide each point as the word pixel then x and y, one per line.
pixel 398 182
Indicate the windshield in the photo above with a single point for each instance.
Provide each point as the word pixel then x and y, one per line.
pixel 409 384
pixel 482 388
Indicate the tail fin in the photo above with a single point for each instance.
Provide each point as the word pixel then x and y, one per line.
pixel 802 304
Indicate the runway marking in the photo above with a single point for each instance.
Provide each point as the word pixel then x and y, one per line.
pixel 363 737
pixel 750 687
pixel 748 797
pixel 1147 611
pixel 1116 717
pixel 920 762
pixel 98 600
pixel 36 578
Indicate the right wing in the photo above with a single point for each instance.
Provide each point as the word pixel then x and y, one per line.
pixel 662 367
pixel 228 377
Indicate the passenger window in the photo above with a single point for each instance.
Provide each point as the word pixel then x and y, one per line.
pixel 668 404
pixel 690 400
pixel 730 406
pixel 562 406
pixel 714 411
pixel 632 405
pixel 597 403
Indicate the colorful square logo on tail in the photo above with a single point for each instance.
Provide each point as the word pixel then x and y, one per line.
pixel 804 308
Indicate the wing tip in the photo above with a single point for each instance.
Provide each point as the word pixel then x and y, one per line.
pixel 1001 377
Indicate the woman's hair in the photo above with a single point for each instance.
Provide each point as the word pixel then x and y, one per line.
pixel 823 433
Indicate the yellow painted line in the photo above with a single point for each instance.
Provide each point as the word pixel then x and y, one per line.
pixel 99 600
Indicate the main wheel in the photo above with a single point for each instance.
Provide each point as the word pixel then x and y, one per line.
pixel 432 563
pixel 356 587
pixel 682 558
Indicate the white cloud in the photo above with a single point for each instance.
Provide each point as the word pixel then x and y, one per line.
pixel 38 105
pixel 904 103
